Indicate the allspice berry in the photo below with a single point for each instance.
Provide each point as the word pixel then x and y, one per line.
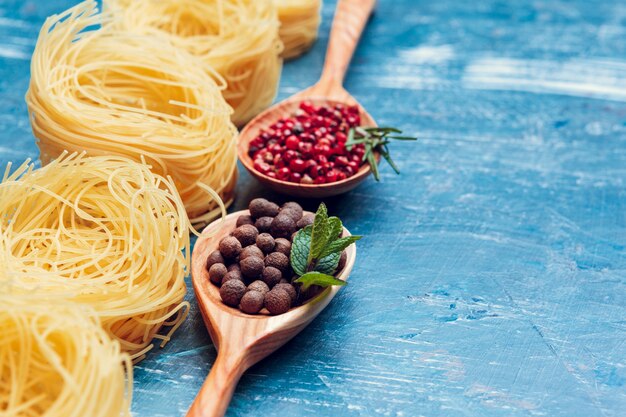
pixel 214 258
pixel 291 213
pixel 263 224
pixel 265 242
pixel 234 267
pixel 283 226
pixel 306 220
pixel 230 247
pixel 294 208
pixel 342 261
pixel 232 291
pixel 278 260
pixel 282 245
pixel 251 267
pixel 259 286
pixel 252 250
pixel 216 273
pixel 234 274
pixel 260 207
pixel 246 234
pixel 271 276
pixel 290 289
pixel 245 219
pixel 252 302
pixel 277 301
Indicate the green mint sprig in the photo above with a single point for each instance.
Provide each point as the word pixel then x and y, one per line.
pixel 375 139
pixel 316 250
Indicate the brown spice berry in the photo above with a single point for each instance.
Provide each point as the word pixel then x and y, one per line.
pixel 252 250
pixel 260 207
pixel 313 291
pixel 294 208
pixel 278 260
pixel 259 286
pixel 216 273
pixel 277 301
pixel 234 274
pixel 306 220
pixel 252 302
pixel 291 213
pixel 246 234
pixel 232 291
pixel 251 267
pixel 230 247
pixel 290 289
pixel 282 245
pixel 265 242
pixel 245 219
pixel 214 258
pixel 234 267
pixel 342 261
pixel 263 224
pixel 283 226
pixel 271 276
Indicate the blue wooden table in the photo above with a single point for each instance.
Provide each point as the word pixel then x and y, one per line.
pixel 492 278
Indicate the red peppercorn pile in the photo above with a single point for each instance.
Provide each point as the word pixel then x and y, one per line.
pixel 309 146
pixel 252 266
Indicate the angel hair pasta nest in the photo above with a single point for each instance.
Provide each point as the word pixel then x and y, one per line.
pixel 101 231
pixel 299 23
pixel 98 89
pixel 56 361
pixel 237 38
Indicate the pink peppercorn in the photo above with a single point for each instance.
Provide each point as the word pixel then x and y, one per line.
pixel 308 147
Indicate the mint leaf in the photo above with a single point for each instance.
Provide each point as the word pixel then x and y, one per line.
pixel 317 278
pixel 328 264
pixel 339 245
pixel 335 228
pixel 300 249
pixel 319 234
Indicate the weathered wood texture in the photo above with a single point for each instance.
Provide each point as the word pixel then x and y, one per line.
pixel 492 279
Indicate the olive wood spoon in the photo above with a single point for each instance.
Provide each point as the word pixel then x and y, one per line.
pixel 242 339
pixel 350 19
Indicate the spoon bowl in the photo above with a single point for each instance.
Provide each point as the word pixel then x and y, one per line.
pixel 243 339
pixel 348 24
pixel 270 116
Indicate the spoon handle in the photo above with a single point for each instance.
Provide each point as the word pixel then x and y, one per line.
pixel 350 19
pixel 218 389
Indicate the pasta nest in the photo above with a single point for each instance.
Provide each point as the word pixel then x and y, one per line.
pixel 105 232
pixel 97 89
pixel 299 23
pixel 236 38
pixel 58 362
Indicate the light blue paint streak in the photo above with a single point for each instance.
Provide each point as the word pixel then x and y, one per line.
pixel 491 279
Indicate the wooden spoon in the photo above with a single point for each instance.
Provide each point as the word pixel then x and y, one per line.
pixel 350 19
pixel 242 339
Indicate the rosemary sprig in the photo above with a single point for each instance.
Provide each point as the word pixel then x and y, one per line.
pixel 375 139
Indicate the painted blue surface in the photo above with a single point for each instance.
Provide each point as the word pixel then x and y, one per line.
pixel 491 281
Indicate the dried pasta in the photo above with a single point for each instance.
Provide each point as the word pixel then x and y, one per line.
pixel 299 23
pixel 97 89
pixel 105 232
pixel 236 38
pixel 56 361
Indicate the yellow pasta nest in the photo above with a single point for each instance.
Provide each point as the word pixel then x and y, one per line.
pixel 108 92
pixel 237 38
pixel 101 231
pixel 299 22
pixel 56 361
